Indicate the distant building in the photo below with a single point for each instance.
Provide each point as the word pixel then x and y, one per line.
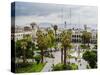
pixel 19 32
pixel 85 27
pixel 26 28
pixel 76 36
pixel 76 33
pixel 94 36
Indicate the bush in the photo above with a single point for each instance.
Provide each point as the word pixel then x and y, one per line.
pixel 95 47
pixel 74 66
pixel 37 58
pixel 91 58
pixel 67 67
pixel 84 46
pixel 60 67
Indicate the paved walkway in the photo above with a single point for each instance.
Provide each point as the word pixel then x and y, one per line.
pixel 48 66
pixel 82 64
pixel 50 61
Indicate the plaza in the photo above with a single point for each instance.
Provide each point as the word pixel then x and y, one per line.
pixel 76 52
pixel 54 37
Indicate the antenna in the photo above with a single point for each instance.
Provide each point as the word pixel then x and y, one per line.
pixel 79 19
pixel 70 15
pixel 62 15
pixel 65 20
pixel 65 24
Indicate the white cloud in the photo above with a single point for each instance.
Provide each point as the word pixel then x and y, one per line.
pixel 79 14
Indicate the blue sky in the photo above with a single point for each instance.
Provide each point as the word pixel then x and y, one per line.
pixel 41 13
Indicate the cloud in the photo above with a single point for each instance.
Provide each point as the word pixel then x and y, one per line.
pixel 53 13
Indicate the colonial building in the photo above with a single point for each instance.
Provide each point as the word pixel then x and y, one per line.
pixel 77 35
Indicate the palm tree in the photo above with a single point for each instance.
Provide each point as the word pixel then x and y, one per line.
pixel 86 36
pixel 51 38
pixel 62 55
pixel 89 36
pixel 55 27
pixel 65 40
pixel 69 33
pixel 30 46
pixel 42 43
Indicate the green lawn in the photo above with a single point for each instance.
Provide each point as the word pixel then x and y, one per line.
pixel 34 67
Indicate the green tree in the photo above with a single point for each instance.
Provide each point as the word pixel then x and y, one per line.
pixel 55 27
pixel 91 58
pixel 86 36
pixel 50 38
pixel 66 41
pixel 42 43
pixel 24 48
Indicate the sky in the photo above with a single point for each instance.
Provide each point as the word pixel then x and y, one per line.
pixel 46 14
